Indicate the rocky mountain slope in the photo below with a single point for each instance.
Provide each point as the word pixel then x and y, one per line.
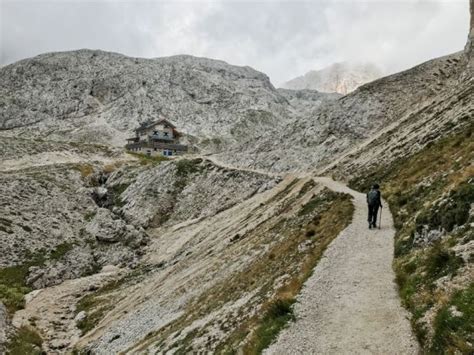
pixel 98 96
pixel 438 93
pixel 341 78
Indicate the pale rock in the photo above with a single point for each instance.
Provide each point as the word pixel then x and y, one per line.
pixel 109 268
pixel 455 312
pixel 80 316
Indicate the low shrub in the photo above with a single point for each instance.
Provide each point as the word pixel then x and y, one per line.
pixel 25 341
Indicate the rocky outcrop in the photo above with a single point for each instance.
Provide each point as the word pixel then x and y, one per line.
pixel 174 192
pixel 109 228
pixel 341 78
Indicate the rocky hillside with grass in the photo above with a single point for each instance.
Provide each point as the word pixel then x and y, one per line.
pixel 425 167
pixel 106 251
pixel 431 196
pixel 215 284
pixel 71 211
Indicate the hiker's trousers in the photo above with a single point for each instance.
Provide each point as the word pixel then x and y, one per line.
pixel 373 211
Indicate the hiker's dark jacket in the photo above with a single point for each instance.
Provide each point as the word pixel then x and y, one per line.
pixel 373 198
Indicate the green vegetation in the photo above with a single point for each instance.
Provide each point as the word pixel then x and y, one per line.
pixel 431 191
pixel 61 250
pixel 25 341
pixel 454 324
pixel 148 159
pixel 116 191
pixel 13 286
pixel 275 318
pixel 89 216
pixel 97 304
pixel 186 167
pixel 311 205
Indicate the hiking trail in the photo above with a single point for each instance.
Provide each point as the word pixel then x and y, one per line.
pixel 350 304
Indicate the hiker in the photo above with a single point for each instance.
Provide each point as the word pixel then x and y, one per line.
pixel 373 202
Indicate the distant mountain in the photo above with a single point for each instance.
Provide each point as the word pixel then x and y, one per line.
pixel 339 77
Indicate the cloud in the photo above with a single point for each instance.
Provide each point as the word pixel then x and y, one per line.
pixel 284 39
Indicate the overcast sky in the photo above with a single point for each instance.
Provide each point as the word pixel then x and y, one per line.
pixel 284 39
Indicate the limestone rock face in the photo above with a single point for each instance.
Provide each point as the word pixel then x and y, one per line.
pixel 341 78
pixel 100 96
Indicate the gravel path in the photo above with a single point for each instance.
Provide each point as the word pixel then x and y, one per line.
pixel 350 304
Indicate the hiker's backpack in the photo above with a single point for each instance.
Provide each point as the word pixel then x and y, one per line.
pixel 373 197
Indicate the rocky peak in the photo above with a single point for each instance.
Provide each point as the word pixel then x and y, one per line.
pixel 341 78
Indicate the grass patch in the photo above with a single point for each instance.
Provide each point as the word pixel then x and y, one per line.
pixel 186 167
pixel 440 261
pixel 148 159
pixel 90 215
pixel 276 317
pixel 311 205
pixel 454 332
pixel 116 192
pixel 13 286
pixel 61 250
pixel 97 304
pixel 26 341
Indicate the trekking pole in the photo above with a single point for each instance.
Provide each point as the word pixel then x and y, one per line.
pixel 380 220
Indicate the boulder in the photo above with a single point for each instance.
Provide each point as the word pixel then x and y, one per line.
pixel 107 227
pixel 104 227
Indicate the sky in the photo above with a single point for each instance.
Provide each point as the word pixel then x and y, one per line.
pixel 283 39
